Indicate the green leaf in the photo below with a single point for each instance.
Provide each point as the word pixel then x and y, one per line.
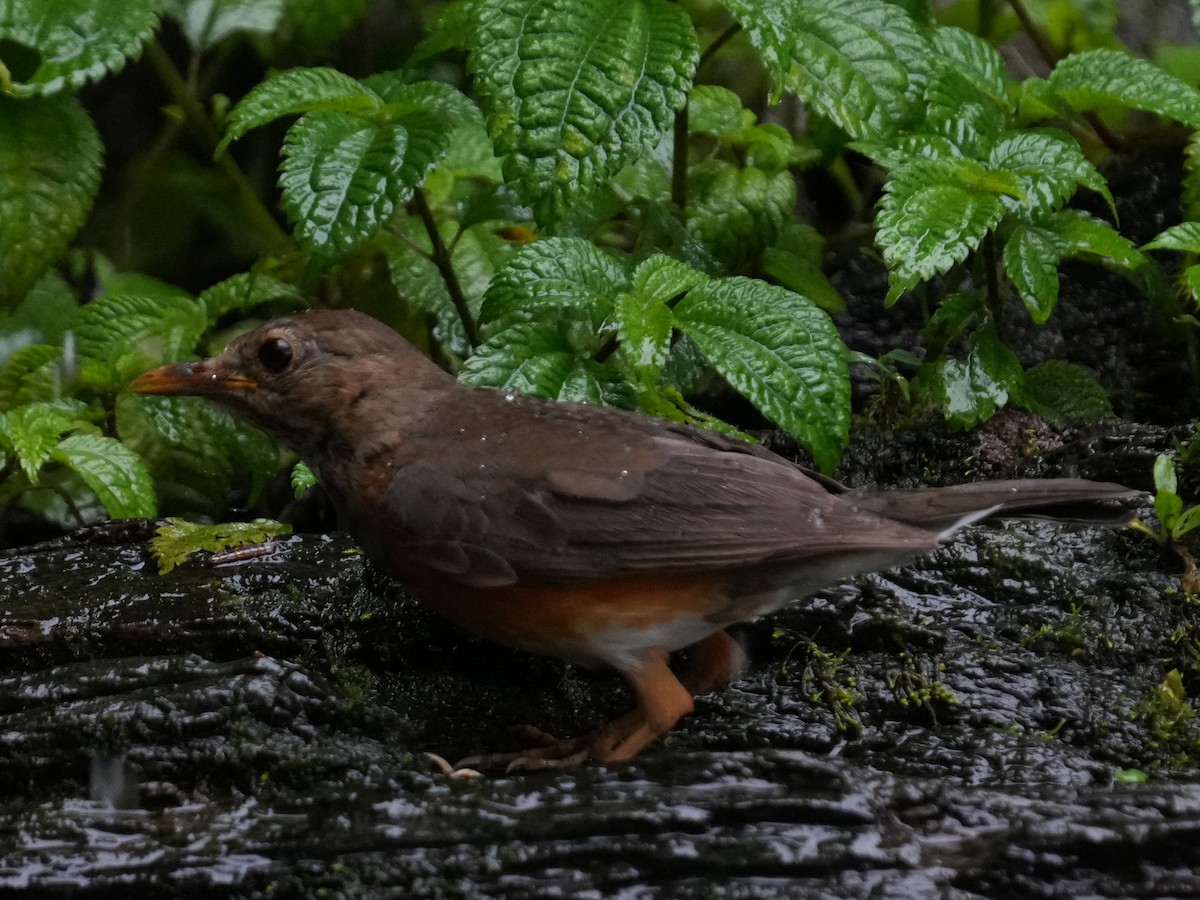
pixel 176 540
pixel 117 335
pixel 1103 77
pixel 1184 237
pixel 1097 241
pixel 556 273
pixel 343 177
pixel 50 161
pixel 973 389
pixel 1035 249
pixel 116 474
pixel 73 41
pixel 543 358
pixel 975 58
pixel 796 262
pixel 575 90
pixel 206 23
pixel 1167 503
pixel 736 213
pixel 781 352
pixel 31 374
pixel 1189 520
pixel 294 92
pixel 717 110
pixel 246 290
pixel 931 217
pixel 959 111
pixel 194 450
pixel 661 278
pixel 1031 258
pixel 1064 392
pixel 861 64
pixel 1050 166
pixel 32 431
pixel 302 479
pixel 643 338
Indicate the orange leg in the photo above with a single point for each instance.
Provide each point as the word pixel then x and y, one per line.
pixel 713 663
pixel 662 701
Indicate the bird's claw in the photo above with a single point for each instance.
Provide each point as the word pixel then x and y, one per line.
pixel 457 771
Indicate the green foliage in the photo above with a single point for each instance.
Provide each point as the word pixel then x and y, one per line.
pixel 542 195
pixel 574 90
pixel 176 540
pixel 50 160
pixel 1173 520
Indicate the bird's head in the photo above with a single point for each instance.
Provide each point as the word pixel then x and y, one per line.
pixel 296 376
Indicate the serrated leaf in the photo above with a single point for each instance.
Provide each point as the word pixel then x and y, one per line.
pixel 930 219
pixel 556 273
pixel 117 330
pixel 540 358
pixel 1050 165
pixel 1184 237
pixel 452 107
pixel 976 387
pixel 31 374
pixel 50 161
pixel 246 290
pixel 205 23
pixel 297 91
pixel 1190 193
pixel 575 90
pixel 343 177
pixel 781 352
pixel 661 277
pixel 1064 392
pixel 74 41
pixel 302 479
pixel 1094 239
pixel 959 111
pixel 736 213
pixel 117 475
pixel 643 338
pixel 905 148
pixel 713 109
pixel 859 63
pixel 1101 77
pixel 33 430
pixel 975 58
pixel 177 539
pixel 1031 258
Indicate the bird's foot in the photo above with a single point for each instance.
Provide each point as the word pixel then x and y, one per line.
pixel 618 740
pixel 459 771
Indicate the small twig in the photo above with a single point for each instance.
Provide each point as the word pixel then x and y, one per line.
pixel 441 258
pixel 1110 138
pixel 206 132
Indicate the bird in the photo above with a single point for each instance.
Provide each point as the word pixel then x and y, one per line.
pixel 594 534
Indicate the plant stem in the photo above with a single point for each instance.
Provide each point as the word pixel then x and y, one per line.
pixel 1109 138
pixel 679 162
pixel 717 44
pixel 441 258
pixel 991 262
pixel 205 131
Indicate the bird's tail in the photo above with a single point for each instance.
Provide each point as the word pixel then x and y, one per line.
pixel 1063 499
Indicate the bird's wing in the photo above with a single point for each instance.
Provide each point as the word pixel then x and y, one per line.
pixel 658 502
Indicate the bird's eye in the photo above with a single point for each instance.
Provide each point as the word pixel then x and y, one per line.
pixel 275 354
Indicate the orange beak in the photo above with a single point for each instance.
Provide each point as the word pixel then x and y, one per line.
pixel 203 378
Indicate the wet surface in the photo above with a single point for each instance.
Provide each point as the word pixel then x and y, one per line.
pixel 952 728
